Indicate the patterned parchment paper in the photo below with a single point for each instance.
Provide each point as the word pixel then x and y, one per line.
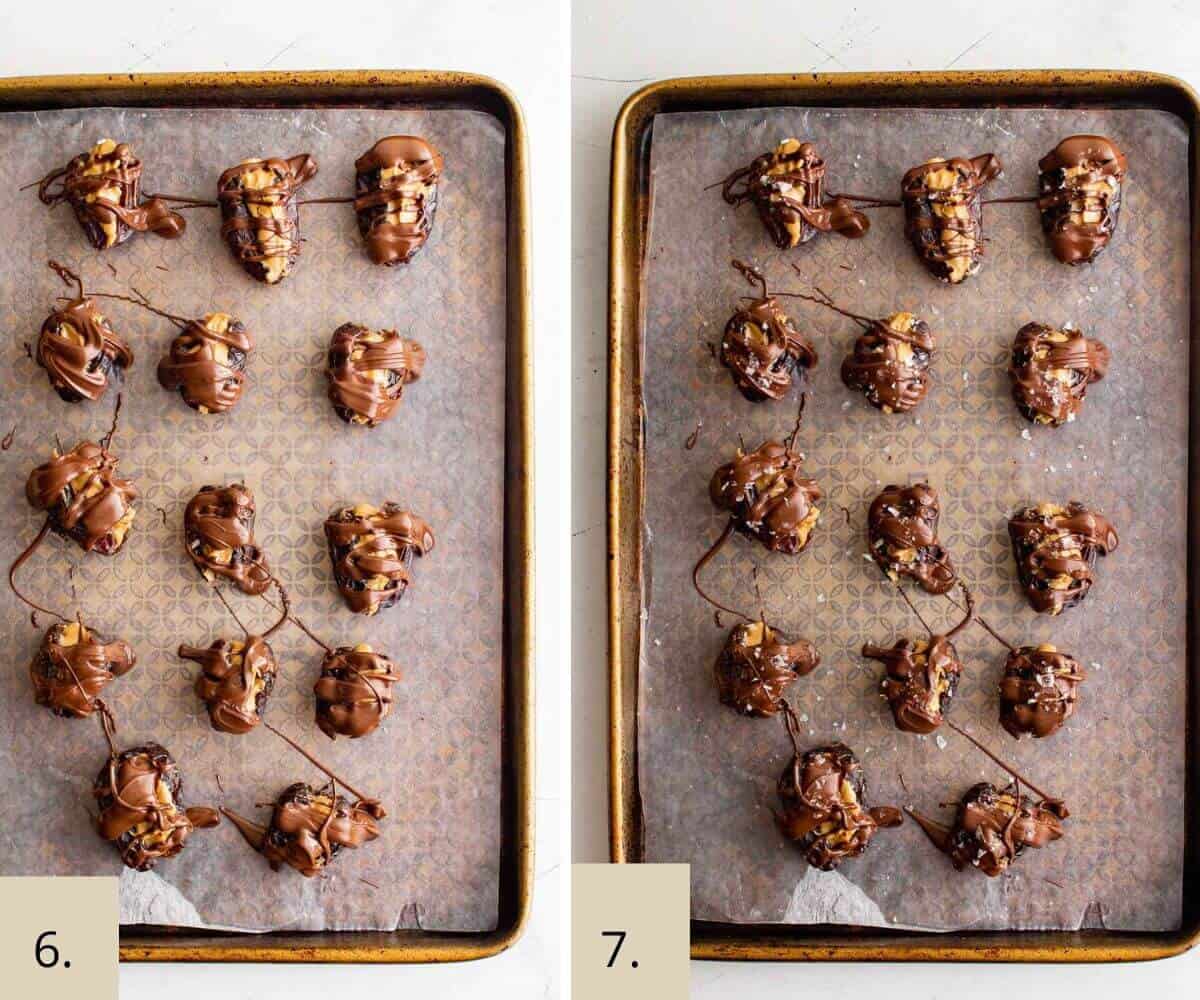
pixel 707 775
pixel 435 761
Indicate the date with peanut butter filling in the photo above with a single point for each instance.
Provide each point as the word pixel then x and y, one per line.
pixel 236 679
pixel 81 351
pixel 943 214
pixel 890 361
pixel 1080 182
pixel 73 665
pixel 823 796
pixel 1051 370
pixel 139 795
pixel 354 691
pixel 922 677
pixel 902 537
pixel 83 497
pixel 367 371
pixel 372 550
pixel 786 185
pixel 768 497
pixel 395 197
pixel 261 220
pixel 1039 690
pixel 756 667
pixel 1055 548
pixel 102 188
pixel 218 533
pixel 207 362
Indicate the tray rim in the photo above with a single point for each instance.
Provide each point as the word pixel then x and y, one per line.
pixel 331 88
pixel 627 216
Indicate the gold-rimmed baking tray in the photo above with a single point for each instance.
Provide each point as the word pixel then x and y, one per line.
pixel 629 219
pixel 387 90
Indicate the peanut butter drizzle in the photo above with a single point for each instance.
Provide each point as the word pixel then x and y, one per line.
pixel 1080 183
pixel 261 221
pixel 1051 370
pixel 371 550
pixel 396 193
pixel 218 528
pixel 367 371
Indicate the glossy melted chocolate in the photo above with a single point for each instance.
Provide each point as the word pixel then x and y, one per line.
pixel 101 186
pixel 261 218
pixel 922 676
pixel 1051 371
pixel 368 370
pixel 890 363
pixel 1079 185
pixel 756 667
pixel 943 216
pixel 902 536
pixel 824 810
pixel 73 665
pixel 207 363
pixel 372 550
pixel 83 497
pixel 80 351
pixel 763 350
pixel 138 792
pixel 218 531
pixel 1039 690
pixel 767 496
pixel 236 679
pixel 396 189
pixel 1055 549
pixel 354 691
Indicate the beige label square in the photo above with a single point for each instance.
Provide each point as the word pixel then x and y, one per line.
pixel 629 931
pixel 58 937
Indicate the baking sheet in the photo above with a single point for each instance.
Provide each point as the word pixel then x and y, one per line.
pixel 707 776
pixel 436 760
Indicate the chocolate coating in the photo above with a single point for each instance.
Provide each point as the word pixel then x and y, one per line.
pixel 80 351
pixel 768 498
pixel 943 217
pixel 310 826
pixel 993 827
pixel 1055 549
pixel 1039 690
pixel 824 809
pixel 902 536
pixel 890 363
pixel 73 665
pixel 1079 188
pixel 101 186
pixel 368 370
pixel 207 362
pixel 396 189
pixel 138 792
pixel 372 550
pixel 763 349
pixel 236 679
pixel 1051 371
pixel 84 498
pixel 755 668
pixel 218 533
pixel 261 220
pixel 787 188
pixel 354 691
pixel 922 676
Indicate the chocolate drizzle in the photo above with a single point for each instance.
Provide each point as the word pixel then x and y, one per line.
pixel 368 370
pixel 354 691
pixel 236 678
pixel 786 186
pixel 261 220
pixel 207 362
pixel 83 498
pixel 1039 690
pixel 890 362
pixel 73 665
pixel 902 537
pixel 138 792
pixel 80 350
pixel 396 189
pixel 1079 187
pixel 101 186
pixel 1055 549
pixel 756 667
pixel 218 529
pixel 1051 370
pixel 943 216
pixel 372 550
pixel 767 497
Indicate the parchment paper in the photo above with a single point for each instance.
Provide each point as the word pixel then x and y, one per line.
pixel 707 775
pixel 435 761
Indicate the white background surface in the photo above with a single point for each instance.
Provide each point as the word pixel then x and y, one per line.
pixel 621 44
pixel 527 52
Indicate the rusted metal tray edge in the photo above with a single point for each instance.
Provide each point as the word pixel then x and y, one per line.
pixel 628 217
pixel 426 88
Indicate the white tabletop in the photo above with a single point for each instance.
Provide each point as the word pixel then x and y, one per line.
pixel 147 36
pixel 618 46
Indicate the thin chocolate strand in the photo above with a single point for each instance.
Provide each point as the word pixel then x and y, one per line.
pixel 295 620
pixel 988 628
pixel 144 302
pixel 704 561
pixel 1016 775
pixel 970 610
pixel 799 417
pixel 867 199
pixel 316 763
pixel 913 607
pixel 284 614
pixel 326 201
pixel 823 298
pixel 752 275
pixel 229 607
pixel 1015 200
pixel 183 200
pixel 791 724
pixel 20 561
pixel 67 275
